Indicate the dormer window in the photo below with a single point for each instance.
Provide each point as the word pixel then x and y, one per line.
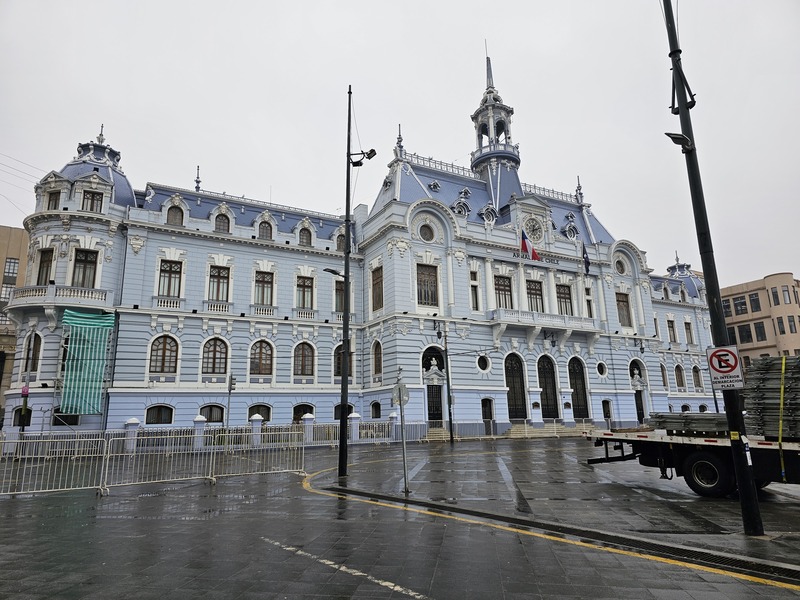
pixel 222 224
pixel 305 237
pixel 53 199
pixel 264 231
pixel 175 216
pixel 340 242
pixel 92 202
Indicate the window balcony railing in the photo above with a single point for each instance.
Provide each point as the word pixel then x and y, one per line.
pixel 309 314
pixel 61 294
pixel 524 317
pixel 217 306
pixel 168 302
pixel 339 317
pixel 262 310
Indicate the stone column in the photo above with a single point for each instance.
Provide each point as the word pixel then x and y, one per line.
pixel 354 419
pixel 131 429
pixel 255 429
pixel 199 432
pixel 491 300
pixel 308 428
pixel 550 301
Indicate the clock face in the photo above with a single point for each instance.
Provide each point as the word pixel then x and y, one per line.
pixel 534 230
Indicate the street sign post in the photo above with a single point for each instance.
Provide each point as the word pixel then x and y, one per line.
pixel 400 398
pixel 725 368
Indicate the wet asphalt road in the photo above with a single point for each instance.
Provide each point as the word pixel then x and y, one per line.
pixel 504 520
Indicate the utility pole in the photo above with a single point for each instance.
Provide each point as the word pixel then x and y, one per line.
pixel 683 100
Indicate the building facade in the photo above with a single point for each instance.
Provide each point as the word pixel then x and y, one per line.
pixel 13 257
pixel 763 316
pixel 144 304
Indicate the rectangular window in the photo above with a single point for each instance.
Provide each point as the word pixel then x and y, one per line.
pixel 5 292
pixel 624 310
pixel 726 307
pixel 535 296
pixel 687 328
pixel 305 292
pixel 93 201
pixel 781 327
pixel 739 305
pixel 787 299
pixel 474 290
pixel 776 301
pixel 564 298
pixel 263 289
pixel 745 335
pixel 52 200
pixel 169 278
pixel 11 269
pixel 85 268
pixel 761 331
pixel 755 302
pixel 377 288
pixel 502 291
pixel 673 337
pixel 731 335
pixel 218 279
pixel 338 296
pixel 427 286
pixel 589 308
pixel 792 325
pixel 655 325
pixel 45 265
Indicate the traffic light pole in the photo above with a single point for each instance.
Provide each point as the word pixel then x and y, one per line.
pixel 682 102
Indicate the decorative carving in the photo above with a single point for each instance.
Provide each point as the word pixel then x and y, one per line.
pixel 399 243
pixel 137 243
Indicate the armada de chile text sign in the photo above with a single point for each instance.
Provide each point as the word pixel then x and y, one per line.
pixel 725 368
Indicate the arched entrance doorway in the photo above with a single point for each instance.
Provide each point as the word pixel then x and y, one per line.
pixel 515 382
pixel 547 381
pixel 635 370
pixel 577 381
pixel 433 376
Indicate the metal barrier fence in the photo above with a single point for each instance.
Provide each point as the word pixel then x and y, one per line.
pixel 100 460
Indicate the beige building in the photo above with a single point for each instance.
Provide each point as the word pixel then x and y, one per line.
pixel 13 258
pixel 763 316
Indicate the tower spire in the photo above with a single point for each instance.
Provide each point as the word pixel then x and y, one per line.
pixel 197 180
pixel 489 78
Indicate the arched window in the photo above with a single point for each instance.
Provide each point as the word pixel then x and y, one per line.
pixel 340 242
pixel 164 355
pixel 697 379
pixel 299 410
pixel 664 377
pixel 377 359
pixel 375 410
pixel 222 224
pixel 261 358
pixel 213 413
pixel 260 409
pixel 19 421
pixel 337 362
pixel 703 408
pixel 680 381
pixel 175 216
pixel 159 414
pixel 264 230
pixel 577 381
pixel 33 349
pixel 305 236
pixel 337 411
pixel 686 408
pixel 304 360
pixel 215 357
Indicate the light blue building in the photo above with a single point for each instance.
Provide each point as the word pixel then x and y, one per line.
pixel 144 304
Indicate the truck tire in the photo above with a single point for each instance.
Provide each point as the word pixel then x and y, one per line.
pixel 709 475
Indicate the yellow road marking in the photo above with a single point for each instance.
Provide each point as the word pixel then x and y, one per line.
pixel 544 536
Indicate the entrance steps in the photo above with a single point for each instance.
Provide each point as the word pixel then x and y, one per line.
pixel 548 430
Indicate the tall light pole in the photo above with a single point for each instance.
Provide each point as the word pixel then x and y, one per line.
pixel 751 514
pixel 438 326
pixel 343 403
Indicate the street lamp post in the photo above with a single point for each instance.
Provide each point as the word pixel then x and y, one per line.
pixel 751 514
pixel 343 403
pixel 438 326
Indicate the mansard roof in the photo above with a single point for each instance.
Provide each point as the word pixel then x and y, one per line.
pixel 101 159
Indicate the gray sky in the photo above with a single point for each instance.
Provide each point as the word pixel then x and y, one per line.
pixel 256 94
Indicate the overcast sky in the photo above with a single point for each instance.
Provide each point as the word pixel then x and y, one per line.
pixel 256 94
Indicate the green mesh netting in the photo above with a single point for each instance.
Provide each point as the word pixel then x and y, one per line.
pixel 85 362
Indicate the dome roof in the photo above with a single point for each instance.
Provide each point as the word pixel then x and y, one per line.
pixel 693 280
pixel 97 157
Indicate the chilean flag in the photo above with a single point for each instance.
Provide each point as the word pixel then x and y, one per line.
pixel 526 247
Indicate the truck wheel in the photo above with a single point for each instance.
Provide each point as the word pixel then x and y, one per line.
pixel 708 475
pixel 761 484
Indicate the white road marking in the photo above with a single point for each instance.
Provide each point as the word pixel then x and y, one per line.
pixel 356 573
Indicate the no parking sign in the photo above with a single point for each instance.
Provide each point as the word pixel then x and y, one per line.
pixel 725 368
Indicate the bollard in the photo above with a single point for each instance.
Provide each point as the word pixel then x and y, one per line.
pixel 131 429
pixel 354 419
pixel 255 426
pixel 199 432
